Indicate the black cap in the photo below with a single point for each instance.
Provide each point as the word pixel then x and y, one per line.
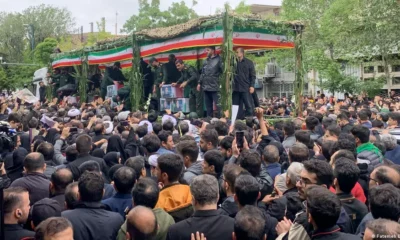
pixel 152 59
pixel 117 64
pixel 44 209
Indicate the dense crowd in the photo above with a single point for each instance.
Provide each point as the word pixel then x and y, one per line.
pixel 90 171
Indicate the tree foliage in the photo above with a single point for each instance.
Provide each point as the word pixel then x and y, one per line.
pixel 44 49
pixel 340 32
pixel 47 21
pixel 150 15
pixel 12 35
pixel 13 77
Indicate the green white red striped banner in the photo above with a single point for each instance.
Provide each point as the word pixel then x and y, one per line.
pixel 67 61
pixel 259 39
pixel 186 55
pixel 110 56
pixel 211 37
pixel 188 47
pixel 124 64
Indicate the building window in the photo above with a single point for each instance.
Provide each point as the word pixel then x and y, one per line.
pixel 395 80
pixel 369 69
pixel 381 69
pixel 396 68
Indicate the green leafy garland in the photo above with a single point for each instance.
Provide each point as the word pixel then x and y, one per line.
pixel 81 74
pixel 229 62
pixel 135 78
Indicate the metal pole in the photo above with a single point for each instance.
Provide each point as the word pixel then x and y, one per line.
pixel 32 36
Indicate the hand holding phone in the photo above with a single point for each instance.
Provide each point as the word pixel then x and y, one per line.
pixel 239 139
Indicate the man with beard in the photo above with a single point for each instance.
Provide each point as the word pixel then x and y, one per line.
pixel 189 151
pixel 189 80
pixel 16 210
pixel 315 172
pixel 230 173
pixel 160 75
pixel 209 80
pixel 208 140
pixel 112 74
pixel 243 85
pixel 172 73
pixel 226 148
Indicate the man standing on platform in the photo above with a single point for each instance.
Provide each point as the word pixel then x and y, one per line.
pixel 172 72
pixel 112 74
pixel 148 80
pixel 160 75
pixel 189 79
pixel 55 81
pixel 243 84
pixel 209 80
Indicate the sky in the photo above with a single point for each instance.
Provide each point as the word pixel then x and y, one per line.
pixel 86 11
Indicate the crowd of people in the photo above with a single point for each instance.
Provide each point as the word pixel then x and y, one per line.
pixel 90 171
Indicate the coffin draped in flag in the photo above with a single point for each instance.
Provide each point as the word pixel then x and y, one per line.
pixel 109 56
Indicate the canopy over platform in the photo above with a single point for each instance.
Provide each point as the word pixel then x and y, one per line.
pixel 187 41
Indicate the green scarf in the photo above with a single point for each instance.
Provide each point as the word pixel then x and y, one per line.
pixel 370 147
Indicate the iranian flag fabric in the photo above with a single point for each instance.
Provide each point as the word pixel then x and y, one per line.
pixel 110 56
pixel 259 39
pixel 186 47
pixel 67 61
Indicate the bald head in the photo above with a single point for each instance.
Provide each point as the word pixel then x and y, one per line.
pixel 34 162
pixel 384 174
pixel 141 223
pixel 60 179
pixel 271 154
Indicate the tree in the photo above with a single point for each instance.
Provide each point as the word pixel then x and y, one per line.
pixel 12 35
pixel 368 29
pixel 150 15
pixel 48 21
pixel 44 49
pixel 13 77
pixel 337 30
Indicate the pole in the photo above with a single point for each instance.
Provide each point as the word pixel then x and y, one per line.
pixel 32 33
pixel 136 78
pixel 229 62
pixel 299 69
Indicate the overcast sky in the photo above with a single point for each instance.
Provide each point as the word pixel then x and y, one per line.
pixel 86 11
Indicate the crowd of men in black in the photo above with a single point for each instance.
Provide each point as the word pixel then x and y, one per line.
pixel 97 173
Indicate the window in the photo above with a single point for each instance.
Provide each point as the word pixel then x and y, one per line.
pixel 396 68
pixel 381 69
pixel 395 80
pixel 369 69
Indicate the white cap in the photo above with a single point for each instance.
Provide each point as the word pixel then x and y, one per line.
pixel 74 112
pixel 149 125
pixel 122 116
pixel 153 160
pixel 166 118
pixel 110 127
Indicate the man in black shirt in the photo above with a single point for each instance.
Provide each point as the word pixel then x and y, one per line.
pixel 173 74
pixel 16 211
pixel 243 84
